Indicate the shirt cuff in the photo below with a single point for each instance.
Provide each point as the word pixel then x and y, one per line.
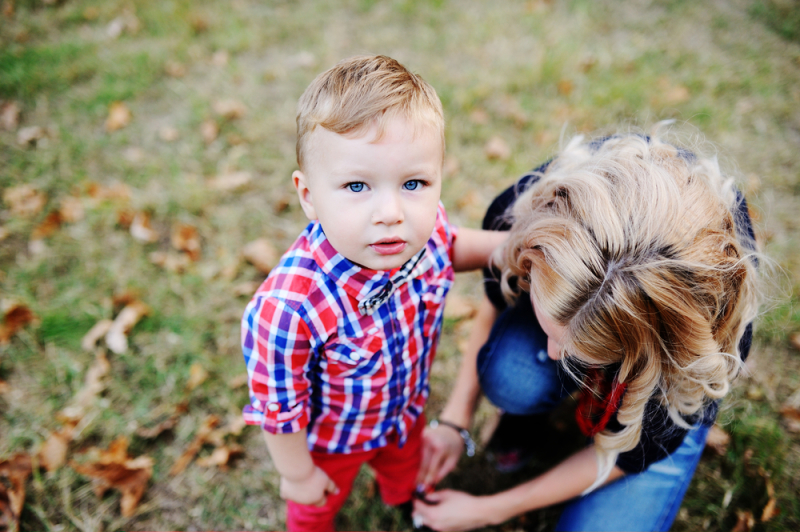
pixel 277 418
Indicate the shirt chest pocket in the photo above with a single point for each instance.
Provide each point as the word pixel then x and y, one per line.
pixel 355 356
pixel 432 308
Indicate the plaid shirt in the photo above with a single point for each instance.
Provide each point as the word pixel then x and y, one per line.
pixel 313 360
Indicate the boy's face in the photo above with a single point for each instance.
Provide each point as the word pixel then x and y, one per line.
pixel 376 201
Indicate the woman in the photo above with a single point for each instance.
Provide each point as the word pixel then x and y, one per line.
pixel 630 272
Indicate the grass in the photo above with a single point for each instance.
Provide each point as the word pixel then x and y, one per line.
pixel 528 71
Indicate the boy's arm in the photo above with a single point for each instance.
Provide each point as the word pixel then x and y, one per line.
pixel 473 247
pixel 301 480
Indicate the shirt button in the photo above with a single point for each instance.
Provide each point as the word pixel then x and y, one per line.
pixel 354 355
pixel 273 407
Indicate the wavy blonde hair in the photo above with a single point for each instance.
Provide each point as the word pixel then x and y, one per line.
pixel 360 91
pixel 631 244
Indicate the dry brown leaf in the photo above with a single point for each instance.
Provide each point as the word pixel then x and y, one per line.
pixel 790 411
pixel 53 453
pixel 175 69
pixel 117 335
pixel 197 376
pixel 171 261
pixel 51 223
pixel 221 456
pixel 237 381
pixel 8 8
pixel 94 383
pixel 718 440
pixel 31 135
pixel 229 181
pixel 114 191
pixel 458 307
pixel 93 335
pixel 770 509
pixel 9 116
pixel 91 13
pixel 168 134
pixel 167 424
pixel 209 130
pixel 745 521
pixel 71 209
pixel 4 233
pixel 15 318
pixel 565 87
pixel 229 109
pixel 4 387
pixel 497 148
pixel 24 200
pixel 185 237
pixel 13 474
pixel 115 469
pixel 119 116
pixel 188 455
pixel 142 230
pixel 677 94
pixel 246 288
pixel 794 340
pixel 198 22
pixel 261 254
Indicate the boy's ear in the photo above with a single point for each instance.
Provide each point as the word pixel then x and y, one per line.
pixel 300 182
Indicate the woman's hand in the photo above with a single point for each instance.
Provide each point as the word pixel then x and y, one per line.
pixel 453 510
pixel 441 449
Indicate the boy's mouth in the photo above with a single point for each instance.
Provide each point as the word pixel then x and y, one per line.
pixel 389 246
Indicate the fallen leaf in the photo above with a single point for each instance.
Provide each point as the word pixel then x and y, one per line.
pixel 31 135
pixel 745 521
pixel 168 134
pixel 114 191
pixel 246 288
pixel 98 330
pixel 282 202
pixel 770 510
pixel 124 298
pixel 171 261
pixel 117 335
pixel 116 470
pixel 13 474
pixel 718 440
pixel 4 233
pixel 188 455
pixel 9 116
pixel 24 200
pixel 197 376
pixel 175 69
pixel 53 453
pixel 794 340
pixel 237 381
pixel 209 130
pixel 677 94
pixel 198 23
pixel 458 307
pixel 229 181
pixel 91 13
pixel 220 456
pixel 94 383
pixel 220 58
pixel 50 224
pixel 71 209
pixel 8 8
pixel 167 424
pixel 141 229
pixel 15 318
pixel 126 22
pixel 497 148
pixel 229 109
pixel 790 411
pixel 186 238
pixel 261 254
pixel 565 87
pixel 119 116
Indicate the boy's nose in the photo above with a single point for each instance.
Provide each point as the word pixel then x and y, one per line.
pixel 388 210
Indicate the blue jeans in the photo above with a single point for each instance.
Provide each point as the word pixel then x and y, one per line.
pixel 516 375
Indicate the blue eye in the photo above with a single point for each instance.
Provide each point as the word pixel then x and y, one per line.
pixel 355 187
pixel 414 184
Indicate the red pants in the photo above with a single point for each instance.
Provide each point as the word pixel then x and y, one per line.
pixel 396 472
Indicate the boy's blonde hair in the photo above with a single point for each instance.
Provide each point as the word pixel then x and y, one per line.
pixel 362 91
pixel 632 245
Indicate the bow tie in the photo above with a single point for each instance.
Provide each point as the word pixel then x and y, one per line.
pixel 378 297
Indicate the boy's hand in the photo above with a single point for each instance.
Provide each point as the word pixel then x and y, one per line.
pixel 312 490
pixel 441 448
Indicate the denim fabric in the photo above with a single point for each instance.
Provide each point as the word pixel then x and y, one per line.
pixel 516 375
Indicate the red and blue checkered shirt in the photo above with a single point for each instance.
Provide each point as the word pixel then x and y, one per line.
pixel 313 360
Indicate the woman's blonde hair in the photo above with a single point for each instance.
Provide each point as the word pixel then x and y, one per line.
pixel 632 245
pixel 362 91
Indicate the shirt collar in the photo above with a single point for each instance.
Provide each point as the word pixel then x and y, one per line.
pixel 358 282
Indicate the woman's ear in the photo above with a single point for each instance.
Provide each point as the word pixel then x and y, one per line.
pixel 300 182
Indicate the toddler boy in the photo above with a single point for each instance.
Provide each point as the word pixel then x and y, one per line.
pixel 339 339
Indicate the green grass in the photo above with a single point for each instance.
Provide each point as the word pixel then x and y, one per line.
pixel 731 70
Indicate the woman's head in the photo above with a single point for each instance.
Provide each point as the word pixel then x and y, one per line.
pixel 630 246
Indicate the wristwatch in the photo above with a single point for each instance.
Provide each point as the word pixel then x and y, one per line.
pixel 469 443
